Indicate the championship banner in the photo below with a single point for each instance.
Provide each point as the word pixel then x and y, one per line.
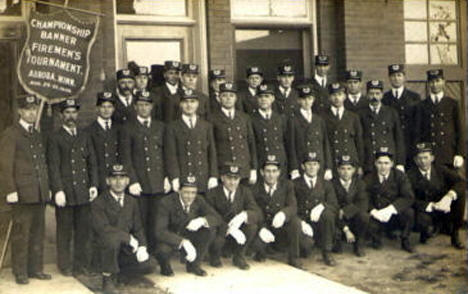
pixel 54 62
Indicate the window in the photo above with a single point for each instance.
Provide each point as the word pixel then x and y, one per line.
pixel 10 8
pixel 151 7
pixel 431 32
pixel 270 10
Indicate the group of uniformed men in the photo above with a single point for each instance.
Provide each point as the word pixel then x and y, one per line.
pixel 268 168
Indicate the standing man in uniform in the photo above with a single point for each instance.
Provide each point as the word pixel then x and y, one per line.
pixel 145 157
pixel 270 129
pixel 285 95
pixel 276 199
pixel 390 200
pixel 440 196
pixel 353 216
pixel 234 135
pixel 218 77
pixel 74 180
pixel 308 133
pixel 381 128
pixel 167 95
pixel 185 222
pixel 122 246
pixel 355 100
pixel 248 97
pixel 124 110
pixel 241 217
pixel 104 137
pixel 25 184
pixel 317 208
pixel 404 101
pixel 439 121
pixel 344 128
pixel 188 80
pixel 191 147
pixel 320 83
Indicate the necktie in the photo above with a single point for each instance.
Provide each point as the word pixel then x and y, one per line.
pixel 355 100
pixel 30 129
pixel 323 83
pixel 147 123
pixel 337 113
pixel 312 183
pixel 191 123
pixel 127 100
pixel 73 132
pixel 270 191
pixel 427 176
pixel 231 116
pixel 346 186
pixel 121 201
pixel 107 125
pixel 395 93
pixel 231 197
pixel 187 209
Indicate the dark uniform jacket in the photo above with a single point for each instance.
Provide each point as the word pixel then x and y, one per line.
pixel 321 103
pixel 395 190
pixel 441 124
pixel 243 200
pixel 382 130
pixel 283 199
pixel 215 105
pixel 363 103
pixel 270 138
pixel 442 180
pixel 235 141
pixel 191 151
pixel 171 218
pixel 142 151
pixel 305 137
pixel 286 105
pixel 72 165
pixel 345 135
pixel 113 223
pixel 249 102
pixel 308 198
pixel 122 113
pixel 353 201
pixel 106 148
pixel 406 108
pixel 23 165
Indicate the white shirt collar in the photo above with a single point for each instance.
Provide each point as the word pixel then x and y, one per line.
pixel 375 108
pixel 346 184
pixel 229 112
pixel 265 114
pixel 270 189
pixel 438 96
pixel 119 199
pixel 187 119
pixel 227 193
pixel 383 177
pixel 400 91
pixel 285 91
pixel 252 91
pixel 25 125
pixel 70 130
pixel 340 110
pixel 311 182
pixel 425 173
pixel 306 114
pixel 184 207
pixel 172 88
pixel 320 79
pixel 355 97
pixel 143 120
pixel 123 98
pixel 102 122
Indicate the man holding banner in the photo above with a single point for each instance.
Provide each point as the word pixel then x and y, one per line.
pixel 26 186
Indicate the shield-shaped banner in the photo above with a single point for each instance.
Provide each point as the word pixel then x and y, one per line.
pixel 54 63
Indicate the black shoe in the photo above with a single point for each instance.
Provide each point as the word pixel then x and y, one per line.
pixel 66 272
pixel 376 243
pixel 358 251
pixel 166 270
pixel 82 272
pixel 239 261
pixel 40 276
pixel 424 235
pixel 260 257
pixel 108 285
pixel 338 247
pixel 21 280
pixel 455 240
pixel 391 235
pixel 216 262
pixel 196 269
pixel 295 263
pixel 405 245
pixel 328 259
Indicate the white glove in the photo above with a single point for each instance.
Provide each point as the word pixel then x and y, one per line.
pixel 175 184
pixel 444 204
pixel 12 197
pixel 253 176
pixel 400 167
pixel 237 221
pixel 307 229
pixel 93 193
pixel 60 199
pixel 133 243
pixel 457 161
pixel 387 212
pixel 295 174
pixel 50 195
pixel 266 235
pixel 278 220
pixel 350 238
pixel 316 212
pixel 142 254
pixel 430 207
pixel 377 215
pixel 212 183
pixel 167 185
pixel 135 189
pixel 196 223
pixel 238 235
pixel 328 175
pixel 190 250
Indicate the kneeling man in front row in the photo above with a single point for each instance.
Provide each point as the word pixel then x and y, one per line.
pixel 184 221
pixel 120 235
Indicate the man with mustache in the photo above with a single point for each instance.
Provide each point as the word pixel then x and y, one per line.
pixel 73 180
pixel 168 95
pixel 124 110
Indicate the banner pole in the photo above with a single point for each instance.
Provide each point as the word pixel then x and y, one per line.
pixel 5 244
pixel 39 115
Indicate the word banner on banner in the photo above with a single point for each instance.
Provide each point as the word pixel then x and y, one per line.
pixel 54 62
